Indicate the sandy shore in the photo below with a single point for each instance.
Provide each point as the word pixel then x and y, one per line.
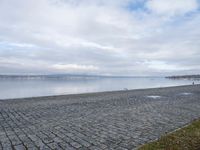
pixel 106 120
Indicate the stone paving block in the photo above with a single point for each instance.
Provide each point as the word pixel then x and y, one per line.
pixel 55 146
pixel 19 147
pixel 15 140
pixel 6 145
pixel 95 148
pixel 108 121
pixel 66 146
pixel 75 144
pixel 1 147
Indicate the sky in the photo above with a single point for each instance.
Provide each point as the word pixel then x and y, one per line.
pixel 101 37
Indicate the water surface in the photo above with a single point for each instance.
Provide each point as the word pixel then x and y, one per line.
pixel 20 88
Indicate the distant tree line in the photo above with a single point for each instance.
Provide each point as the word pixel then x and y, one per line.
pixel 192 77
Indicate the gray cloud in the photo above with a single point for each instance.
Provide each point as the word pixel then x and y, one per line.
pixel 119 37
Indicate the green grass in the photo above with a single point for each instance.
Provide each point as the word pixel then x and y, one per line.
pixel 187 138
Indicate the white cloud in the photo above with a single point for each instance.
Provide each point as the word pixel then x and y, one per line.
pixel 172 7
pixel 163 66
pixel 74 67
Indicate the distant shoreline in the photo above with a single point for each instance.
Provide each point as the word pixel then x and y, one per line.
pixel 66 76
pixel 189 77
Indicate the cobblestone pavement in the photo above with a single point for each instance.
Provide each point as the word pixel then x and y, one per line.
pixel 111 120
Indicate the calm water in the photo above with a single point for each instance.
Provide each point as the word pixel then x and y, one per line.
pixel 19 88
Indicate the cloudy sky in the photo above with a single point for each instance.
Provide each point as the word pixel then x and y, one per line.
pixel 108 37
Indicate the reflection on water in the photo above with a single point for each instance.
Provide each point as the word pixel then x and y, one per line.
pixel 18 88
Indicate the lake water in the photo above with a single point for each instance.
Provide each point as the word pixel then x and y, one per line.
pixel 20 88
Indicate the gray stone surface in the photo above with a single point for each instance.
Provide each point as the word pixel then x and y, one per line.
pixel 120 120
